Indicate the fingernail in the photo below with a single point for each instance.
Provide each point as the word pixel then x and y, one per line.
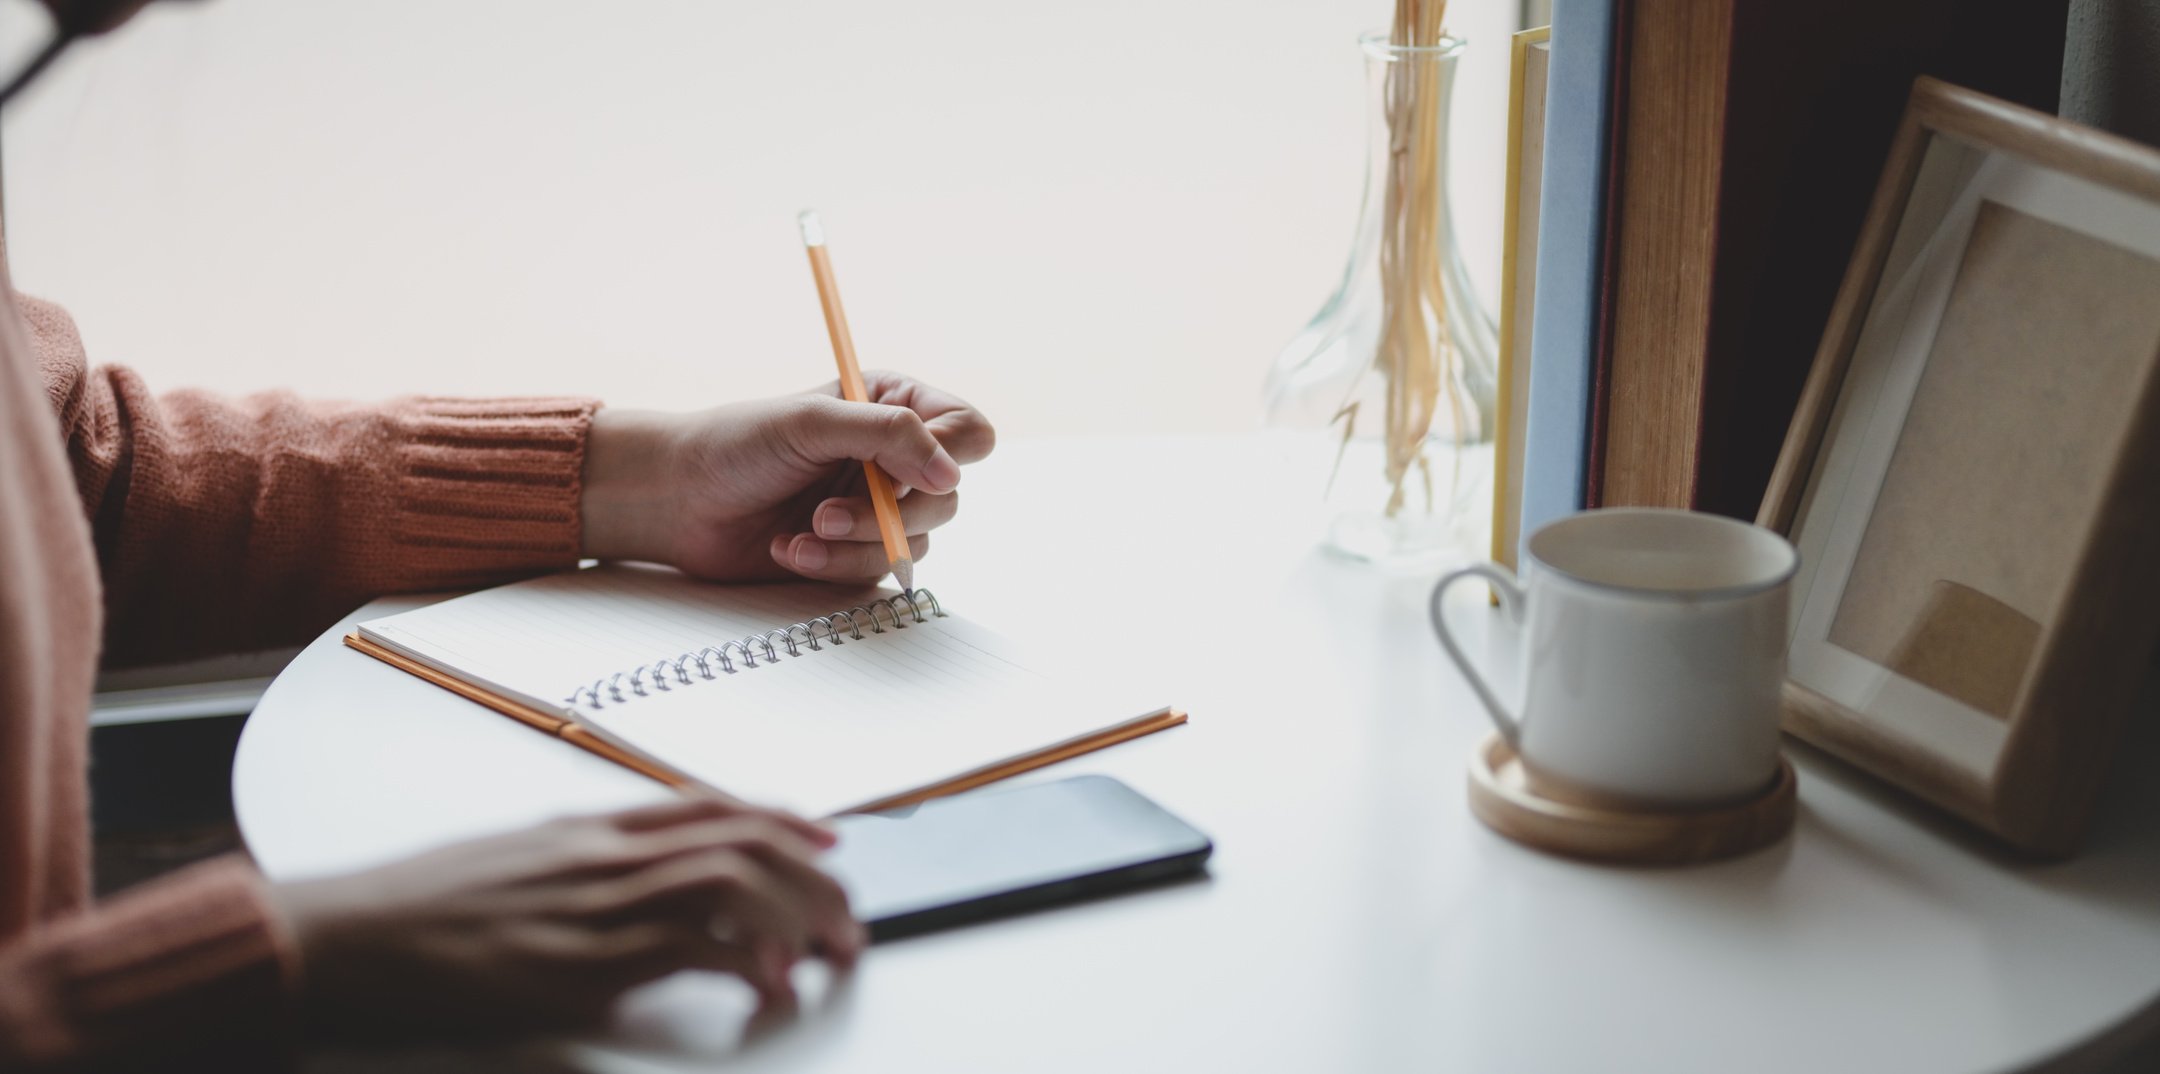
pixel 810 555
pixel 842 945
pixel 776 967
pixel 834 521
pixel 941 471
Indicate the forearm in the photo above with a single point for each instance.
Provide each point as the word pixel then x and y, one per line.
pixel 194 971
pixel 260 521
pixel 625 491
pixel 224 524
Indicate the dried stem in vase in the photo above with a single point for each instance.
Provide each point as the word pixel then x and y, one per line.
pixel 1417 355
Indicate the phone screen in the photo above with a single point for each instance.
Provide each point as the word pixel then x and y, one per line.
pixel 983 853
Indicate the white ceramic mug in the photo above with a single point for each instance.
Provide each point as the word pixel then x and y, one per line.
pixel 1654 652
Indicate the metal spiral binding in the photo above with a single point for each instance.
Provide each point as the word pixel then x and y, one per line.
pixel 712 661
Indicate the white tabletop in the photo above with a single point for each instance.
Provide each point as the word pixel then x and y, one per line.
pixel 1356 916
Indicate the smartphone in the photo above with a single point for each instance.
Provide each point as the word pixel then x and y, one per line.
pixel 955 860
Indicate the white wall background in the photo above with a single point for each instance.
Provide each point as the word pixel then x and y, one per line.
pixel 1099 216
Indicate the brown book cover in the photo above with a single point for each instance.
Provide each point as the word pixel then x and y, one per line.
pixel 1601 338
pixel 1662 229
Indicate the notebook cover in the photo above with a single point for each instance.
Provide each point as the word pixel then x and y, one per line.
pixel 1601 336
pixel 1571 210
pixel 1661 229
pixel 572 732
pixel 1529 58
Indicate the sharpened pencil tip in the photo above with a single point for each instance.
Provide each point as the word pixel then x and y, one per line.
pixel 903 572
pixel 813 232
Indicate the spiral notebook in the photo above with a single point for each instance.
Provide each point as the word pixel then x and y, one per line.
pixel 822 699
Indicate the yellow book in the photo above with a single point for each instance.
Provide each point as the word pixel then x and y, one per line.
pixel 1530 59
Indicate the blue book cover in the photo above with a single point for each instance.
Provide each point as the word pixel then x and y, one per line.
pixel 1571 230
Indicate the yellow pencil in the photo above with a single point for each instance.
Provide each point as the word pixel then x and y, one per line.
pixel 852 389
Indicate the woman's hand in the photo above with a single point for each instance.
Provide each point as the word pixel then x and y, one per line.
pixel 773 488
pixel 541 930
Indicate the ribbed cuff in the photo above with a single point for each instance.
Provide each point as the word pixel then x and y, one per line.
pixel 489 487
pixel 197 963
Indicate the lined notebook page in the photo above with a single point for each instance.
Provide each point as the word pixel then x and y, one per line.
pixel 819 732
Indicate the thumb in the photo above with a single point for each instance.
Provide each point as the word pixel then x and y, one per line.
pixel 830 430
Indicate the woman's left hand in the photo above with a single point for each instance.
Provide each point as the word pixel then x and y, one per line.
pixel 772 488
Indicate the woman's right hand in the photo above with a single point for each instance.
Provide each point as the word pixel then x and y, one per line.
pixel 541 930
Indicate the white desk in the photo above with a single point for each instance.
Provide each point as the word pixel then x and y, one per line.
pixel 1357 916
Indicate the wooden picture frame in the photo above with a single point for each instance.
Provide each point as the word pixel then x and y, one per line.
pixel 1973 472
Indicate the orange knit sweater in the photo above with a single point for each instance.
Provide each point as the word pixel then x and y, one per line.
pixel 180 525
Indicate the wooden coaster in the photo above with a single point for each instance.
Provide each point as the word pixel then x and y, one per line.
pixel 1501 798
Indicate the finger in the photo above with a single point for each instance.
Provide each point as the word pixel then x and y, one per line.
pixel 721 956
pixel 840 561
pixel 639 889
pixel 634 954
pixel 853 517
pixel 817 894
pixel 825 430
pixel 762 836
pixel 964 431
pixel 760 911
pixel 834 933
pixel 726 885
pixel 681 809
pixel 775 964
pixel 960 427
pixel 716 955
pixel 613 845
pixel 700 804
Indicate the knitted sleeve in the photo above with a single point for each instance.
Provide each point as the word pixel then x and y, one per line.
pixel 190 972
pixel 228 524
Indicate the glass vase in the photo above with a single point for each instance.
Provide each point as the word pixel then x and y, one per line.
pixel 1399 364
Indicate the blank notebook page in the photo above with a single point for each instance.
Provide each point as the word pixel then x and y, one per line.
pixel 820 731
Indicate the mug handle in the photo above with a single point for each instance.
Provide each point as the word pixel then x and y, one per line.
pixel 1511 602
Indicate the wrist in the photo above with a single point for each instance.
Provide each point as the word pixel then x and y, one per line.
pixel 624 498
